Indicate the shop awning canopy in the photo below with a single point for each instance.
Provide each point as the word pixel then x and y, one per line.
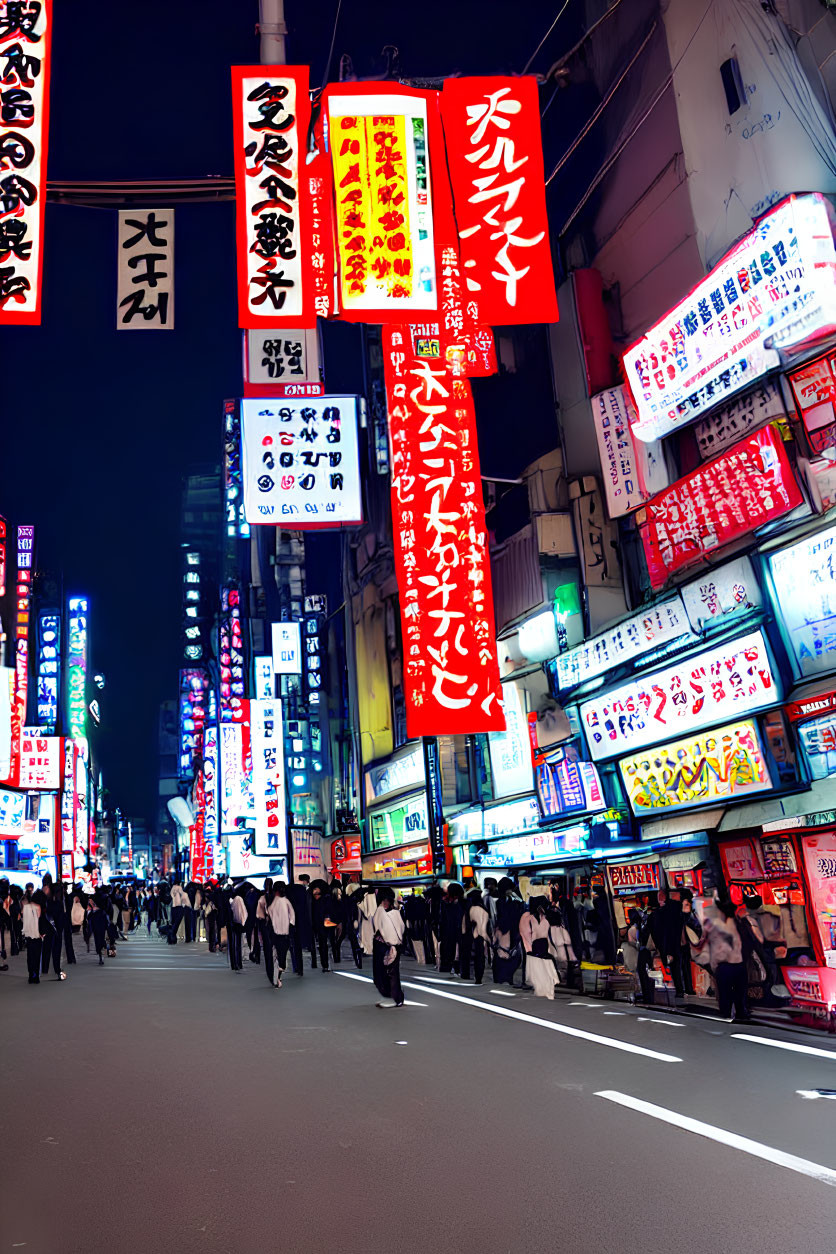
pixel 682 824
pixel 821 795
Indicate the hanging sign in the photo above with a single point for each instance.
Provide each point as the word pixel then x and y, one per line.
pixel 631 469
pixel 49 660
pixel 718 766
pixel 145 270
pixel 320 185
pixel 804 576
pixel 725 499
pixel 287 649
pixel 566 785
pixel 300 462
pixel 25 56
pixel 210 785
pixel 451 674
pixel 726 681
pixel 774 289
pixel 231 657
pixel 281 363
pixel 643 633
pixel 381 136
pixel 732 588
pixel 729 423
pixel 814 388
pixel 267 732
pixel 40 762
pixel 271 112
pixel 495 157
pixel 76 717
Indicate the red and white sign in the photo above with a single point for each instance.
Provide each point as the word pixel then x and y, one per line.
pixel 346 855
pixel 271 112
pixel 775 289
pixel 267 732
pixel 495 157
pixel 725 499
pixel 811 707
pixel 451 673
pixel 320 184
pixel 40 762
pixel 814 388
pixel 634 875
pixel 25 37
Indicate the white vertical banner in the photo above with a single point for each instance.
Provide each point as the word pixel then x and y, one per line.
pixel 145 270
pixel 267 732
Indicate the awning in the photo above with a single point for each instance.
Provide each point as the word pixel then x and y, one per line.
pixel 821 795
pixel 810 699
pixel 683 824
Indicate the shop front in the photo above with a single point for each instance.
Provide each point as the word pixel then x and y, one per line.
pixel 397 843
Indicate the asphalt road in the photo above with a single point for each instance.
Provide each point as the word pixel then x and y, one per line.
pixel 164 1104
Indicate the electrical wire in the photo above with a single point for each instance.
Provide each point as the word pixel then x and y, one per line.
pixel 333 41
pixel 545 37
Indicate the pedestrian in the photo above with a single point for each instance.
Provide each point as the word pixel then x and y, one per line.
pixel 301 935
pixel 367 908
pixel 476 936
pixel 534 934
pixel 236 926
pixel 263 925
pixel 281 918
pixel 417 915
pixel 691 934
pixel 351 923
pixel 667 925
pixel 489 896
pixel 337 931
pixel 99 922
pixel 33 924
pixel 321 921
pixel 452 916
pixel 179 901
pixel 53 936
pixel 16 916
pixel 211 918
pixel 150 904
pixel 131 905
pixel 506 941
pixel 5 923
pixel 389 929
pixel 561 950
pixel 727 956
pixel 190 908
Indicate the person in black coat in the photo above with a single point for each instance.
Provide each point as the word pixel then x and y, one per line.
pixel 666 930
pixel 302 930
pixel 100 923
pixel 321 921
pixel 452 914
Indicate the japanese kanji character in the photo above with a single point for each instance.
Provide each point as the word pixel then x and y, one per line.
pixel 149 229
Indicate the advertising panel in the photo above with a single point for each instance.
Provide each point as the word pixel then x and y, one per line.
pixel 536 846
pixel 406 770
pixel 232 702
pixel 729 589
pixel 145 270
pixel 643 633
pixel 510 751
pixel 300 462
pixel 632 470
pixel 631 876
pixel 495 158
pixel 818 736
pixel 728 680
pixel 282 363
pixel 774 289
pixel 725 499
pixel 271 113
pixel 804 576
pixel 820 865
pixel 565 785
pixel 267 732
pixel 721 765
pixel 25 54
pixel 77 668
pixel 399 822
pixel 287 649
pixel 210 785
pixel 814 388
pixel 451 672
pixel 12 814
pixel 40 762
pixel 728 424
pixel 381 136
pixel 49 663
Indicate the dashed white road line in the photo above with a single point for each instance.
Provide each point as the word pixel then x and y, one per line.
pixel 794 1049
pixel 508 1013
pixel 826 1175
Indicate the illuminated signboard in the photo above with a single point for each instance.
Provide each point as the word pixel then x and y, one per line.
pixel 717 766
pixel 236 792
pixel 774 289
pixel 25 36
pixel 287 649
pixel 236 520
pixel 510 751
pixel 282 363
pixel 49 669
pixel 744 413
pixel 267 733
pixel 145 270
pixel 405 770
pixel 271 113
pixel 192 607
pixel 210 784
pixel 381 135
pixel 804 576
pixel 40 762
pixel 814 388
pixel 632 470
pixel 495 158
pixel 541 846
pixel 231 657
pixel 629 877
pixel 12 814
pixel 300 461
pixel 640 634
pixel 725 499
pixel 732 588
pixel 77 627
pixel 265 683
pixel 451 672
pixel 194 685
pixel 398 823
pixel 565 785
pixel 727 681
pixel 818 736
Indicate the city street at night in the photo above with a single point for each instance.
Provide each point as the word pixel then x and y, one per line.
pixel 177 1096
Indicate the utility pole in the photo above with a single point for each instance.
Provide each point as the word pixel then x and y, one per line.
pixel 272 30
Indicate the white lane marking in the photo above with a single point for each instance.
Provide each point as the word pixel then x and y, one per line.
pixel 500 992
pixel 433 979
pixel 620 1013
pixel 795 1049
pixel 826 1175
pixel 666 1023
pixel 577 1003
pixel 113 966
pixel 508 1013
pixel 812 1095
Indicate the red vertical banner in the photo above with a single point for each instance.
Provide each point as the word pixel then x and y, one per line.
pixel 25 37
pixel 320 184
pixel 271 112
pixel 495 157
pixel 451 673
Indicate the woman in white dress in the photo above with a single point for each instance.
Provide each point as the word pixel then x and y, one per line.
pixel 535 930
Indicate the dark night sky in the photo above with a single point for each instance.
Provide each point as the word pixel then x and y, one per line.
pixel 99 425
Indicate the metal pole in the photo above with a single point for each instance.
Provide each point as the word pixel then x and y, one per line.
pixel 272 30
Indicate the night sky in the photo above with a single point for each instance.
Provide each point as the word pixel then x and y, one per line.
pixel 99 426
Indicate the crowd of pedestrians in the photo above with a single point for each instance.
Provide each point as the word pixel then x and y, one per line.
pixel 461 929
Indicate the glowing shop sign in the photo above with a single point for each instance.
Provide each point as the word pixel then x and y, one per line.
pixel 77 667
pixel 804 576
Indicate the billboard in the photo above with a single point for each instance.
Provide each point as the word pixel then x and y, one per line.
pixel 804 576
pixel 77 621
pixel 267 733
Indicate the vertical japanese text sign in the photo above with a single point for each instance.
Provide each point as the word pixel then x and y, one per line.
pixel 451 675
pixel 495 157
pixel 381 137
pixel 145 270
pixel 271 114
pixel 25 34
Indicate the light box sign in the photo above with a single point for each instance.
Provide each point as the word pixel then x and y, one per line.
pixel 77 667
pixel 722 683
pixel 267 732
pixel 818 736
pixel 722 765
pixel 565 785
pixel 540 846
pixel 495 158
pixel 632 470
pixel 380 142
pixel 300 462
pixel 814 389
pixel 398 823
pixel 287 649
pixel 231 657
pixel 265 683
pixel 236 790
pixel 820 864
pixel 724 590
pixel 804 576
pixel 633 876
pixel 145 270
pixel 282 363
pixel 271 113
pixel 40 762
pixel 404 771
pixel 210 784
pixel 194 687
pixel 643 633
pixel 451 672
pixel 12 814
pixel 775 289
pixel 510 751
pixel 49 672
pixel 25 57
pixel 730 423
pixel 724 500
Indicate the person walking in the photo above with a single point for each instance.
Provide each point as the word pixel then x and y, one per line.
pixel 417 915
pixel 33 924
pixel 506 947
pixel 475 936
pixel 236 926
pixel 727 955
pixel 452 916
pixel 5 922
pixel 179 901
pixel 389 929
pixel 53 936
pixel 263 925
pixel 534 934
pixel 280 919
pixel 321 922
pixel 99 922
pixel 367 908
pixel 351 923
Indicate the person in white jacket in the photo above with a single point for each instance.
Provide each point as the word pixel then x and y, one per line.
pixel 367 909
pixel 281 917
pixel 33 906
pixel 238 920
pixel 389 928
